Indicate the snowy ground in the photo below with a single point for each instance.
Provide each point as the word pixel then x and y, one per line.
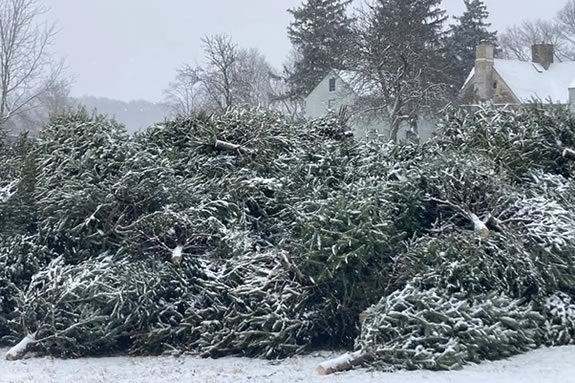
pixel 547 365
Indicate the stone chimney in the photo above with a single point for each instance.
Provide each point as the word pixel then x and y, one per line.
pixel 543 54
pixel 572 98
pixel 484 63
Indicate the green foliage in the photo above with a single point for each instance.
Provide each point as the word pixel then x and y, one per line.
pixel 411 27
pixel 469 30
pixel 347 242
pixel 519 141
pixel 463 262
pixel 559 311
pixel 78 159
pixel 417 328
pixel 20 216
pixel 241 234
pixel 21 258
pixel 93 307
pixel 457 185
pixel 251 306
pixel 17 179
pixel 548 231
pixel 321 33
pixel 498 191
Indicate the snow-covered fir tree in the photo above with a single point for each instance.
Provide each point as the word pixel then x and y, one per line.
pixel 321 33
pixel 401 52
pixel 469 29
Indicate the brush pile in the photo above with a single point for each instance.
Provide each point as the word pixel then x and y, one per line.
pixel 243 234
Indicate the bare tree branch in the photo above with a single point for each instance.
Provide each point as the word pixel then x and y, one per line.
pixel 26 70
pixel 397 80
pixel 517 41
pixel 231 76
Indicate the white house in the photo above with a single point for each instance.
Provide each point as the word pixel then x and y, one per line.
pixel 345 89
pixel 513 82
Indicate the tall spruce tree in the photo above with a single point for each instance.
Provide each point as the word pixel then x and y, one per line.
pixel 321 33
pixel 469 29
pixel 401 50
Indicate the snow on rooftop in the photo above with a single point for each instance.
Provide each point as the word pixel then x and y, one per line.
pixel 357 82
pixel 469 78
pixel 529 81
pixel 349 76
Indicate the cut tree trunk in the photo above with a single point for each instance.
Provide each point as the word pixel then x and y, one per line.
pixel 230 147
pixel 345 362
pixel 394 130
pixel 569 154
pixel 19 351
pixel 223 145
pixel 177 255
pixel 479 225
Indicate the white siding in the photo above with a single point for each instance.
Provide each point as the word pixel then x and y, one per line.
pixel 319 101
pixel 364 129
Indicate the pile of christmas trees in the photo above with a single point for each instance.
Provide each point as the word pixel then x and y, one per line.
pixel 244 234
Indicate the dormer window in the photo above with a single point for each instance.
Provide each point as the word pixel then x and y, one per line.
pixel 332 84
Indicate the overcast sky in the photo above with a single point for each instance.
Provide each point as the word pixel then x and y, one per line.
pixel 130 49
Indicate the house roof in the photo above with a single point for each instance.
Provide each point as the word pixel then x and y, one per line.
pixel 529 81
pixel 357 82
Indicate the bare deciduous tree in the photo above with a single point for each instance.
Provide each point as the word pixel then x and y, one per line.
pixel 516 42
pixel 283 98
pixel 231 76
pixel 566 20
pixel 253 78
pixel 186 94
pixel 26 69
pixel 566 16
pixel 56 99
pixel 222 56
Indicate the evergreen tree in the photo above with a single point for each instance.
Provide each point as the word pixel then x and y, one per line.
pixel 401 51
pixel 321 33
pixel 465 34
pixel 413 26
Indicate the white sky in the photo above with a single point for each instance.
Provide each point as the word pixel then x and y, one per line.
pixel 130 49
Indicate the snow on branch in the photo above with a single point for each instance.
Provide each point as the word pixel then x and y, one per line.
pixel 6 192
pixel 19 351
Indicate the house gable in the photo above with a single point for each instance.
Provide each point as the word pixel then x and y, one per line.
pixel 349 89
pixel 502 93
pixel 323 99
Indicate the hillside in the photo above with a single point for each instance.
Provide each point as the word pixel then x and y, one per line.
pixel 135 115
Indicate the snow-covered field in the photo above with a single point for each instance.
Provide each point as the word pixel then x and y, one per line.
pixel 546 365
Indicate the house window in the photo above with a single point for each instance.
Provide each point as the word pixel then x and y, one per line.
pixel 332 84
pixel 331 104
